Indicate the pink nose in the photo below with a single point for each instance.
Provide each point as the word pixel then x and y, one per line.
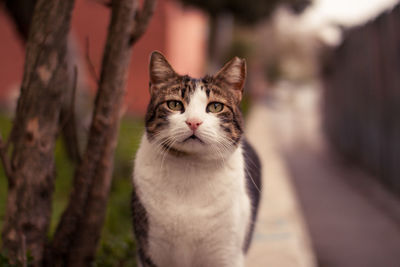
pixel 193 123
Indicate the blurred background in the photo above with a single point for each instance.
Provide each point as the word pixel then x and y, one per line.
pixel 324 75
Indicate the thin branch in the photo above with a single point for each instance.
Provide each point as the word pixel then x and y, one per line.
pixel 72 104
pixel 78 232
pixel 70 122
pixel 23 250
pixel 6 161
pixel 92 69
pixel 75 85
pixel 73 120
pixel 142 19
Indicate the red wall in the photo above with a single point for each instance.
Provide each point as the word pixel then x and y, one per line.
pixel 11 57
pixel 90 20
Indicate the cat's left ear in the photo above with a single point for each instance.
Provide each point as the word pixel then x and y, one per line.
pixel 160 70
pixel 233 75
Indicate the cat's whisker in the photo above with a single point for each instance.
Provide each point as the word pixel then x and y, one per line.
pixel 252 180
pixel 222 150
pixel 215 149
pixel 167 151
pixel 165 145
pixel 162 147
pixel 187 185
pixel 250 160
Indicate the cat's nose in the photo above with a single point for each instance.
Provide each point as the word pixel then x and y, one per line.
pixel 193 123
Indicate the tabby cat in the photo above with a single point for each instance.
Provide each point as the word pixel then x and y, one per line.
pixel 196 178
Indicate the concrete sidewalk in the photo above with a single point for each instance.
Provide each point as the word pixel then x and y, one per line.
pixel 281 238
pixel 353 220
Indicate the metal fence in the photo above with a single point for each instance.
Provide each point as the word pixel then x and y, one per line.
pixel 362 97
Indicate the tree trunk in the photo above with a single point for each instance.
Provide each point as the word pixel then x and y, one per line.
pixel 34 132
pixel 21 12
pixel 76 238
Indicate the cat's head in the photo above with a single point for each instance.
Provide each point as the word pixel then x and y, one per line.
pixel 195 116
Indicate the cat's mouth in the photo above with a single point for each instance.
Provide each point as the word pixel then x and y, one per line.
pixel 193 137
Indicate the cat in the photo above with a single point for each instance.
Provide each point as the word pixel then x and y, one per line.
pixel 196 179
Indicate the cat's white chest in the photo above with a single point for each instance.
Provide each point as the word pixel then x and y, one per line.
pixel 198 215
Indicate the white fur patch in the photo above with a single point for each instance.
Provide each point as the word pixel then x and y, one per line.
pixel 197 205
pixel 198 211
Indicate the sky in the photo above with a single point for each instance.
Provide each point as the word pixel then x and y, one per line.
pixel 324 13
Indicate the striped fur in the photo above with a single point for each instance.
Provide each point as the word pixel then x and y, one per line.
pixel 167 85
pixel 196 191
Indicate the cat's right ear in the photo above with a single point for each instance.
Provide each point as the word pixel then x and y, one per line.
pixel 160 70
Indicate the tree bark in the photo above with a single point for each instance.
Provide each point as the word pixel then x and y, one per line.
pixel 21 12
pixel 34 132
pixel 76 238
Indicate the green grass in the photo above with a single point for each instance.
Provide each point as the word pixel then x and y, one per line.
pixel 117 247
pixel 245 104
pixel 5 127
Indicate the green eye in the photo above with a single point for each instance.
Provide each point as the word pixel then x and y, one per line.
pixel 175 105
pixel 215 107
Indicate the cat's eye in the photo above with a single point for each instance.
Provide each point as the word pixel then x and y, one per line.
pixel 215 107
pixel 175 105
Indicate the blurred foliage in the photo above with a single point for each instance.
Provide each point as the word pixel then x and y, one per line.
pixel 273 70
pixel 5 261
pixel 247 12
pixel 241 47
pixel 117 246
pixel 5 127
pixel 245 104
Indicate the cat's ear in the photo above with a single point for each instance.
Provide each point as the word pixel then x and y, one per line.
pixel 160 70
pixel 233 75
